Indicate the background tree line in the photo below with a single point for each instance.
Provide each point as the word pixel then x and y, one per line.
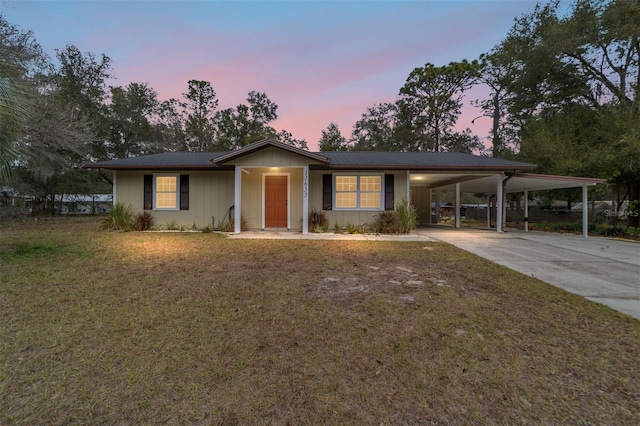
pixel 59 115
pixel 563 94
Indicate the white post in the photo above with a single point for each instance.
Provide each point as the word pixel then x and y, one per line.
pixel 488 211
pixel 526 211
pixel 237 197
pixel 499 205
pixel 457 206
pixel 114 198
pixel 585 210
pixel 305 200
pixel 408 187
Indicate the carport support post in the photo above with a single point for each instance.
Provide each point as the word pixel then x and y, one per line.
pixel 457 205
pixel 526 211
pixel 488 211
pixel 585 214
pixel 499 205
pixel 237 197
pixel 305 200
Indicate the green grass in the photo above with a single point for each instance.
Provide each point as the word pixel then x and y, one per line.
pixel 100 327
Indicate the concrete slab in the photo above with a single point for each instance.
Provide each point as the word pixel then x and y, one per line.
pixel 603 270
pixel 292 235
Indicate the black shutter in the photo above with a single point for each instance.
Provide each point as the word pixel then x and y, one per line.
pixel 327 192
pixel 148 192
pixel 184 192
pixel 388 192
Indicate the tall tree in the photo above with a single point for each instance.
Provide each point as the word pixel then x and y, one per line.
pixel 129 117
pixel 80 84
pixel 14 110
pixel 375 131
pixel 498 72
pixel 585 59
pixel 170 126
pixel 81 79
pixel 53 148
pixel 464 141
pixel 431 99
pixel 246 123
pixel 21 57
pixel 287 138
pixel 200 105
pixel 332 139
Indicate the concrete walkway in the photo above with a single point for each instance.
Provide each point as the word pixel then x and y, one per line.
pixel 292 235
pixel 604 270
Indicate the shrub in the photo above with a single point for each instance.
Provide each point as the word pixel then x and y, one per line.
pixel 573 227
pixel 612 231
pixel 142 221
pixel 407 216
pixel 229 225
pixel 119 218
pixel 317 221
pixel 385 223
pixel 226 226
pixel 172 225
pixel 632 231
pixel 353 229
pixel 337 228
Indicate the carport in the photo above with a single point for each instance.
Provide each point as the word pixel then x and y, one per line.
pixel 498 185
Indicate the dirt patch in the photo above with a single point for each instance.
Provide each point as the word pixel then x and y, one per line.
pixel 367 281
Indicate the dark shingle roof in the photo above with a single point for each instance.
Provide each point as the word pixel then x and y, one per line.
pixel 337 160
pixel 420 160
pixel 166 160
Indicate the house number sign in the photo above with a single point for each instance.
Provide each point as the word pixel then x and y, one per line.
pixel 305 184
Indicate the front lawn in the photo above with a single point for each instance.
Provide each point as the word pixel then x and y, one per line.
pixel 178 328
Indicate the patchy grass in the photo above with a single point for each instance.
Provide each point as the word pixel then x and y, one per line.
pixel 182 328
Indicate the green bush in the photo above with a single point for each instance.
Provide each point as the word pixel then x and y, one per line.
pixel 119 218
pixel 612 231
pixel 142 221
pixel 632 231
pixel 572 227
pixel 407 216
pixel 385 223
pixel 172 225
pixel 318 221
pixel 351 228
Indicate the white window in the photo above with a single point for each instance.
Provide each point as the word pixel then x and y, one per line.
pixel 358 192
pixel 166 192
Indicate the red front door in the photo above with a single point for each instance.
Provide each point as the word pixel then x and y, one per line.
pixel 275 201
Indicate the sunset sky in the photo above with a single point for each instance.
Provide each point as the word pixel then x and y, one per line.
pixel 319 61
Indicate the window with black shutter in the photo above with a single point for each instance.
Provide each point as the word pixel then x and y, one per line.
pixel 388 192
pixel 148 192
pixel 184 192
pixel 327 192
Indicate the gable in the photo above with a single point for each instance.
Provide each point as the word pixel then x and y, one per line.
pixel 270 144
pixel 272 157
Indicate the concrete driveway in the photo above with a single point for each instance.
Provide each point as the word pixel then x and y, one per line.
pixel 604 270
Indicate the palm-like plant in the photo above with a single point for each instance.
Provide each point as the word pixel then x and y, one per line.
pixel 14 110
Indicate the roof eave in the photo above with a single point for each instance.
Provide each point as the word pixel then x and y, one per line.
pixel 425 168
pixel 158 167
